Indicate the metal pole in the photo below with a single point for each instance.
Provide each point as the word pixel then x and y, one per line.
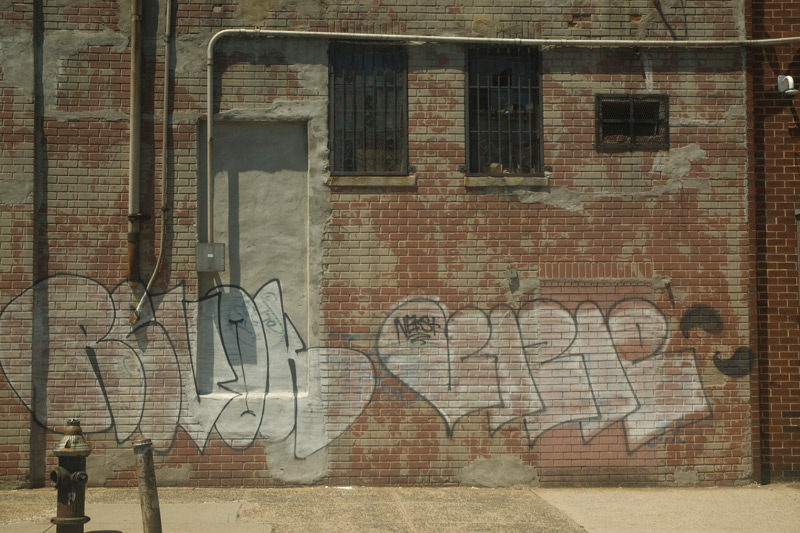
pixel 148 491
pixel 134 159
pixel 164 161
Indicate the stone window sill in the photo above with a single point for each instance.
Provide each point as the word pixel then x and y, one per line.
pixel 372 181
pixel 506 181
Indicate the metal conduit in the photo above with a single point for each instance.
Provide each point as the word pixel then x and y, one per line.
pixel 164 205
pixel 134 161
pixel 414 39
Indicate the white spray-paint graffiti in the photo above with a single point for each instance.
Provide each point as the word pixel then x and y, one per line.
pixel 545 366
pixel 540 365
pixel 147 379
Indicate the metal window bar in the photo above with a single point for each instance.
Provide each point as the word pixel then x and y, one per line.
pixel 358 89
pixel 632 122
pixel 503 98
pixel 368 116
pixel 533 137
pixel 519 124
pixel 376 112
pixel 400 107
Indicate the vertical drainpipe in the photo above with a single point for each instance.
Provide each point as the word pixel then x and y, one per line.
pixel 40 321
pixel 134 158
pixel 210 140
pixel 162 239
pixel 210 255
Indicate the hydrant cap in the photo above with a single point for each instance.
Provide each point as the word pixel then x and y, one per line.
pixel 72 442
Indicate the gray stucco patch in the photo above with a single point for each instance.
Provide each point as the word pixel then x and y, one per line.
pixel 284 466
pixel 16 60
pixel 686 478
pixel 677 162
pixel 557 197
pixel 167 476
pixel 502 472
pixel 104 464
pixel 15 191
pixel 60 46
pixel 190 55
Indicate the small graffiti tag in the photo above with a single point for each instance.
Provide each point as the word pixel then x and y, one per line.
pixel 416 329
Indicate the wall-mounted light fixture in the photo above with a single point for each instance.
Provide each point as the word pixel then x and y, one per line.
pixel 786 86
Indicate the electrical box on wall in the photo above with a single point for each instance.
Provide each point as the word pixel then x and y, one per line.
pixel 210 257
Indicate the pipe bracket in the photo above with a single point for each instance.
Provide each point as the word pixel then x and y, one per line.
pixel 139 216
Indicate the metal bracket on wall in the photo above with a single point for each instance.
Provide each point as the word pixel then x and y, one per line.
pixel 210 257
pixel 139 216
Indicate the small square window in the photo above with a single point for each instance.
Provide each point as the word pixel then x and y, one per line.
pixel 504 112
pixel 632 122
pixel 368 110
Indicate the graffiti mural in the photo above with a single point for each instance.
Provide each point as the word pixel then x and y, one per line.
pixel 163 374
pixel 234 363
pixel 545 365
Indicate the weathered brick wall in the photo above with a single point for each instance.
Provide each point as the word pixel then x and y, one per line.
pixel 667 229
pixel 776 235
pixel 629 268
pixel 17 226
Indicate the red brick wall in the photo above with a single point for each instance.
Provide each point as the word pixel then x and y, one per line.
pixel 633 265
pixel 775 145
pixel 16 228
pixel 458 246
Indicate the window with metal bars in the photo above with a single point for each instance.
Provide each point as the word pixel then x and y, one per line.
pixel 504 112
pixel 632 122
pixel 368 110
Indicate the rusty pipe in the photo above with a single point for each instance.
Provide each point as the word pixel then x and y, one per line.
pixel 134 154
pixel 164 145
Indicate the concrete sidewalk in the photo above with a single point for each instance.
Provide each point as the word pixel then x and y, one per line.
pixel 774 508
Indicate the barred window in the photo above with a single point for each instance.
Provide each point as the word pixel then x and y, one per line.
pixel 504 112
pixel 368 109
pixel 632 122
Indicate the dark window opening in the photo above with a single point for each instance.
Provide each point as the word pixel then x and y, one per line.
pixel 504 112
pixel 368 110
pixel 632 122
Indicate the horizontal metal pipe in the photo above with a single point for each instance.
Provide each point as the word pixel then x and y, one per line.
pixel 411 39
pixel 507 41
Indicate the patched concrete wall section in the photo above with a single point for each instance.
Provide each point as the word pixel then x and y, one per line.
pixel 106 464
pixel 15 191
pixel 16 60
pixel 493 473
pixel 173 475
pixel 271 203
pixel 261 208
pixel 686 477
pixel 286 466
pixel 677 162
